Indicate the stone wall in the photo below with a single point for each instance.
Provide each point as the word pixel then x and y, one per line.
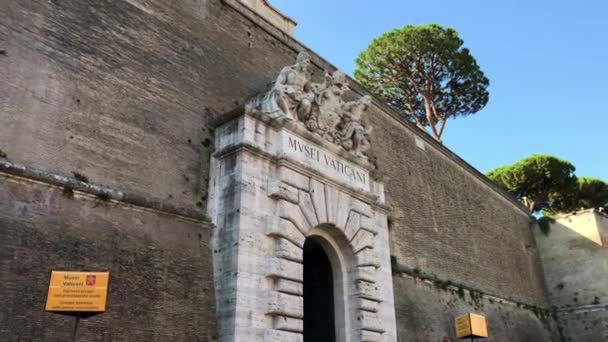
pixel 426 311
pixel 574 255
pixel 161 279
pixel 448 221
pixel 125 91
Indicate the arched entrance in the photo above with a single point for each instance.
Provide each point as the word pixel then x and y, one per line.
pixel 319 315
pixel 273 189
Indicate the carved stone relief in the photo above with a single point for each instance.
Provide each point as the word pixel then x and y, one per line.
pixel 317 106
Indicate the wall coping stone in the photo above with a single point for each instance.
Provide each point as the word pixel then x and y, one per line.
pixel 578 212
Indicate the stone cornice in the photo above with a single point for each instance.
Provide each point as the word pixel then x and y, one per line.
pixel 583 211
pixel 323 64
pixel 98 191
pixel 404 271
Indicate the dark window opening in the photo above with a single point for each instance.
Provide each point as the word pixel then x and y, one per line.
pixel 318 294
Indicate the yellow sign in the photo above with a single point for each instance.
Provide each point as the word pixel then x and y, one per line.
pixel 78 291
pixel 471 325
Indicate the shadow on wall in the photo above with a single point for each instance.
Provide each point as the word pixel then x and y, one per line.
pixel 586 224
pixel 574 259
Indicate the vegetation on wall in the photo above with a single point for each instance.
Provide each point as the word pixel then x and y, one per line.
pixel 548 184
pixel 424 73
pixel 79 176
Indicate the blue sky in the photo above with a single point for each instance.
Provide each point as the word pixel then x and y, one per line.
pixel 547 62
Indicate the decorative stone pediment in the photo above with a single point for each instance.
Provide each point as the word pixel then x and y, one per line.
pixel 318 107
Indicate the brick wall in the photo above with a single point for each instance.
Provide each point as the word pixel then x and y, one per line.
pixel 428 311
pixel 161 278
pixel 446 221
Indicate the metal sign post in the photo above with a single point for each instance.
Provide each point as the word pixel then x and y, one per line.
pixel 75 332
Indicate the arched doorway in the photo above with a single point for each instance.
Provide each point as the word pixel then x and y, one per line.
pixel 319 315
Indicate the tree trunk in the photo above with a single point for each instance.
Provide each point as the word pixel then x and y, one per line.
pixel 430 118
pixel 531 205
pixel 440 119
pixel 441 127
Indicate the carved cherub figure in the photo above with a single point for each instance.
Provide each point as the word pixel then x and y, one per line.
pixel 311 119
pixel 354 134
pixel 330 104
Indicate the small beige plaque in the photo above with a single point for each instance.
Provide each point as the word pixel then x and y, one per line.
pixel 471 325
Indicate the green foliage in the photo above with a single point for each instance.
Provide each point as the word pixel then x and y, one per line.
pixel 547 183
pixel 79 176
pixel 589 193
pixel 537 181
pixel 424 73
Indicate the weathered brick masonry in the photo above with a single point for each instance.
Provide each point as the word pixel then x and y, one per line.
pixel 124 92
pixel 448 222
pixel 161 286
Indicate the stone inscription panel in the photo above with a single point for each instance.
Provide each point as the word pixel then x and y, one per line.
pixel 324 161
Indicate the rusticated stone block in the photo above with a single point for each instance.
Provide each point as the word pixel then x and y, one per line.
pixel 368 257
pixel 288 324
pixel 293 178
pixel 282 336
pixel 293 213
pixel 285 305
pixel 370 336
pixel 368 305
pixel 370 224
pixel 286 269
pixel 367 290
pixel 285 229
pixel 362 239
pixel 361 207
pixel 308 208
pixel 289 286
pixel 280 190
pixel 366 273
pixel 285 249
pixel 317 192
pixel 352 226
pixel 370 322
